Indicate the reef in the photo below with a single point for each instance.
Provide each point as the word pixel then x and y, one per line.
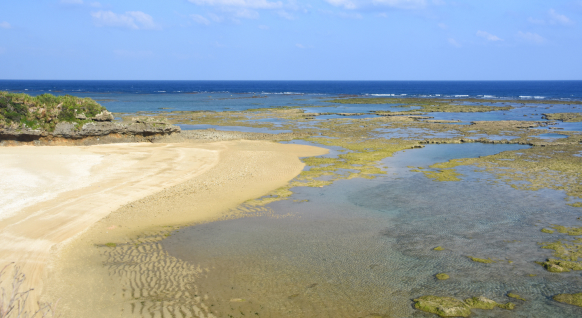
pixel 516 296
pixel 565 117
pixel 571 299
pixel 452 307
pixel 481 260
pixel 442 276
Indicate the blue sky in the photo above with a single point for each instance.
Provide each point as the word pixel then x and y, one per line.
pixel 291 39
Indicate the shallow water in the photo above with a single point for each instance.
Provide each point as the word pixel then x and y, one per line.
pixel 363 247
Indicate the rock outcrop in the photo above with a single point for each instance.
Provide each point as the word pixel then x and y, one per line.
pixel 91 132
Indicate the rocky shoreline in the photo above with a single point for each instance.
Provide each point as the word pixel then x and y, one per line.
pixel 102 131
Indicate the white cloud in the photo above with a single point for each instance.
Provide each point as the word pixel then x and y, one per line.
pixel 402 4
pixel 531 37
pixel 556 18
pixel 254 4
pixel 95 4
pixel 454 42
pixel 215 18
pixel 443 26
pixel 343 3
pixel 200 19
pixel 246 13
pixel 264 27
pixel 536 21
pixel 135 20
pixel 5 25
pixel 72 1
pixel 286 15
pixel 133 54
pixel 301 46
pixel 398 4
pixel 488 36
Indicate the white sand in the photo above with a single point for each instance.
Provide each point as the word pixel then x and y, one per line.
pixel 55 194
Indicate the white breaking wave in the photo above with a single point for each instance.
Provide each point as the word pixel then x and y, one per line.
pixel 461 95
pixel 383 94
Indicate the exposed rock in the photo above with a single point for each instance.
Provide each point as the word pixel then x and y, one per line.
pixel 103 116
pixel 91 130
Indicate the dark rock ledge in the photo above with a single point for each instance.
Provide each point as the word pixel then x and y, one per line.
pixel 102 129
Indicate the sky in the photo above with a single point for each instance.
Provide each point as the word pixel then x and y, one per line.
pixel 291 39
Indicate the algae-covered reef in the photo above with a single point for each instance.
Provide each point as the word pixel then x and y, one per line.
pixel 555 167
pixel 46 111
pixel 571 299
pixel 452 307
pixel 567 251
pixel 426 105
pixel 565 117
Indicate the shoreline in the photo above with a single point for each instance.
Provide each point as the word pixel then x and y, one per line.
pixel 221 176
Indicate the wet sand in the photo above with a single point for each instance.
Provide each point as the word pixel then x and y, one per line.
pixel 127 190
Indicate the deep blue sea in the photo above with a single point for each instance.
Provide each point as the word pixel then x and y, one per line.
pixel 487 89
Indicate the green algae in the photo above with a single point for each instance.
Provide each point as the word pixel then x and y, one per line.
pixel 560 266
pixel 452 307
pixel 516 296
pixel 571 299
pixel 442 175
pixel 574 231
pixel 443 306
pixel 554 167
pixel 111 244
pixel 439 248
pixel 426 105
pixel 486 303
pixel 565 117
pixel 481 260
pixel 547 231
pixel 442 276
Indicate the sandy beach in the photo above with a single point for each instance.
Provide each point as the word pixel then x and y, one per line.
pixel 64 201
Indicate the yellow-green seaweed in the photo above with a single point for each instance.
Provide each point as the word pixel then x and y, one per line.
pixel 442 276
pixel 516 296
pixel 571 299
pixel 452 307
pixel 547 231
pixel 481 260
pixel 439 248
pixel 443 306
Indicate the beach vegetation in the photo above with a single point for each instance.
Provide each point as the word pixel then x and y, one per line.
pixel 14 297
pixel 18 111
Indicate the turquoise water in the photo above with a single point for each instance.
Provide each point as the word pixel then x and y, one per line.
pixel 361 247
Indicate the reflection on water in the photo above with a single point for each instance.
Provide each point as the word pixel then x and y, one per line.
pixel 365 247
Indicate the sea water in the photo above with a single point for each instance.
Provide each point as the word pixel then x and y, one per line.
pixel 363 247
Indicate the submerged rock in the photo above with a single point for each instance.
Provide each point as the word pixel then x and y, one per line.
pixel 443 306
pixel 571 299
pixel 452 307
